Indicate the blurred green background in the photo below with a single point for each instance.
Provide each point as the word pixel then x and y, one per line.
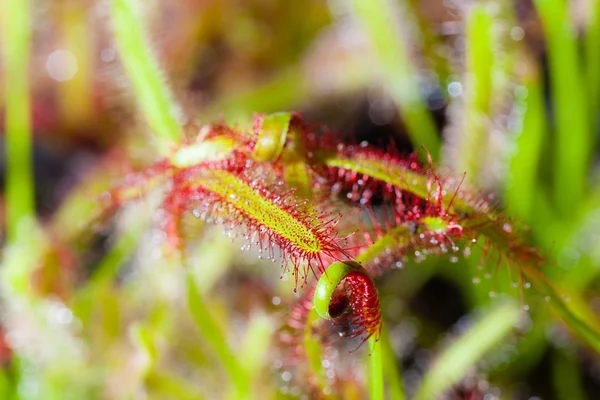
pixel 508 92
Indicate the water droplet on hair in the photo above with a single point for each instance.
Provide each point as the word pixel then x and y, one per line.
pixel 527 285
pixel 476 280
pixel 507 227
pixel 487 275
pixel 492 294
pixel 453 259
pixel 525 307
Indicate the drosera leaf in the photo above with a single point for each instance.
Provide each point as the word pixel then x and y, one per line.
pixel 466 214
pixel 451 364
pixel 346 293
pixel 397 238
pixel 154 97
pixel 480 64
pixel 213 149
pixel 272 132
pixel 579 326
pixel 357 304
pixel 269 216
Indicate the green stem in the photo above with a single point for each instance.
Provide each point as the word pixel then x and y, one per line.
pixel 393 373
pixel 376 358
pixel 15 28
pixel 313 349
pixel 155 98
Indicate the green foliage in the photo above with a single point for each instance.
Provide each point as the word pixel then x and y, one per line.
pixel 141 323
pixel 150 90
pixel 16 33
pixel 468 349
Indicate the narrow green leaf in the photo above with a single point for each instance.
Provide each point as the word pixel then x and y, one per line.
pixel 580 327
pixel 480 64
pixel 15 34
pixel 523 161
pixel 377 19
pixel 314 351
pixel 450 366
pixel 392 372
pixel 217 339
pixel 592 56
pixel 142 337
pixel 573 135
pixel 257 342
pixel 149 86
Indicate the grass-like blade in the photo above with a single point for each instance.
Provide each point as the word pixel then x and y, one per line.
pixel 214 335
pixel 149 86
pixel 377 19
pixel 450 366
pixel 524 160
pixel 573 136
pixel 15 35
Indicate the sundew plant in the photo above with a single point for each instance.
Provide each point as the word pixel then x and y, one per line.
pixel 300 200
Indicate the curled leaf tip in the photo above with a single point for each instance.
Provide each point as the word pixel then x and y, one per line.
pixel 346 294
